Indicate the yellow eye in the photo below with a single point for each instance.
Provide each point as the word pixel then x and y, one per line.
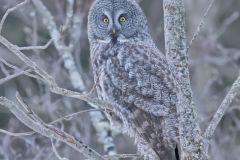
pixel 122 19
pixel 105 20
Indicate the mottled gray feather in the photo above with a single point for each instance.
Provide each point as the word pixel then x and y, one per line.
pixel 135 78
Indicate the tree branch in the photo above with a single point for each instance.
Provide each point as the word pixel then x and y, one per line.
pixel 63 50
pixel 11 10
pixel 66 117
pixel 233 92
pixel 56 153
pixel 176 53
pixel 196 33
pixel 16 134
pixel 29 118
pixel 50 81
pixel 14 75
pixel 36 47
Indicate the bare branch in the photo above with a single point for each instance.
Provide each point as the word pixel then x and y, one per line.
pixel 20 70
pixel 233 92
pixel 176 53
pixel 8 78
pixel 118 156
pixel 56 153
pixel 4 69
pixel 69 15
pixel 11 10
pixel 16 134
pixel 48 130
pixel 226 24
pixel 8 64
pixel 196 33
pixel 36 47
pixel 25 59
pixel 67 117
pixel 63 50
pixel 70 116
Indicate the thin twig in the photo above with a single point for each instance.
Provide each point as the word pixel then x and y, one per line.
pixel 28 110
pixel 10 77
pixel 36 47
pixel 19 70
pixel 56 153
pixel 11 10
pixel 8 64
pixel 123 156
pixel 69 15
pixel 196 33
pixel 66 117
pixel 70 116
pixel 233 92
pixel 16 134
pixel 4 69
pixel 226 24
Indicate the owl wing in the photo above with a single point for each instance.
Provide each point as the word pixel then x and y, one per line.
pixel 144 85
pixel 142 75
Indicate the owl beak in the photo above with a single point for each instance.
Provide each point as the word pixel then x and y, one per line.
pixel 114 31
pixel 114 34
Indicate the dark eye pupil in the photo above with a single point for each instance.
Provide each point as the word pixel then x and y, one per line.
pixel 122 19
pixel 105 20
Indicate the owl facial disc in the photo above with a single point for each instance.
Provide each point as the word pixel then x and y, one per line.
pixel 116 21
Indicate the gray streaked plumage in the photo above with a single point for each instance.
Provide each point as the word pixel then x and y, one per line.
pixel 133 76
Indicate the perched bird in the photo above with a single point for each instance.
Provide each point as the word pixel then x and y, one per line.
pixel 134 77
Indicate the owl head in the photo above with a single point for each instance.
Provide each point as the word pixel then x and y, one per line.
pixel 116 21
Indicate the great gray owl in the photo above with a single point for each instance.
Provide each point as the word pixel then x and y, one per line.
pixel 134 77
